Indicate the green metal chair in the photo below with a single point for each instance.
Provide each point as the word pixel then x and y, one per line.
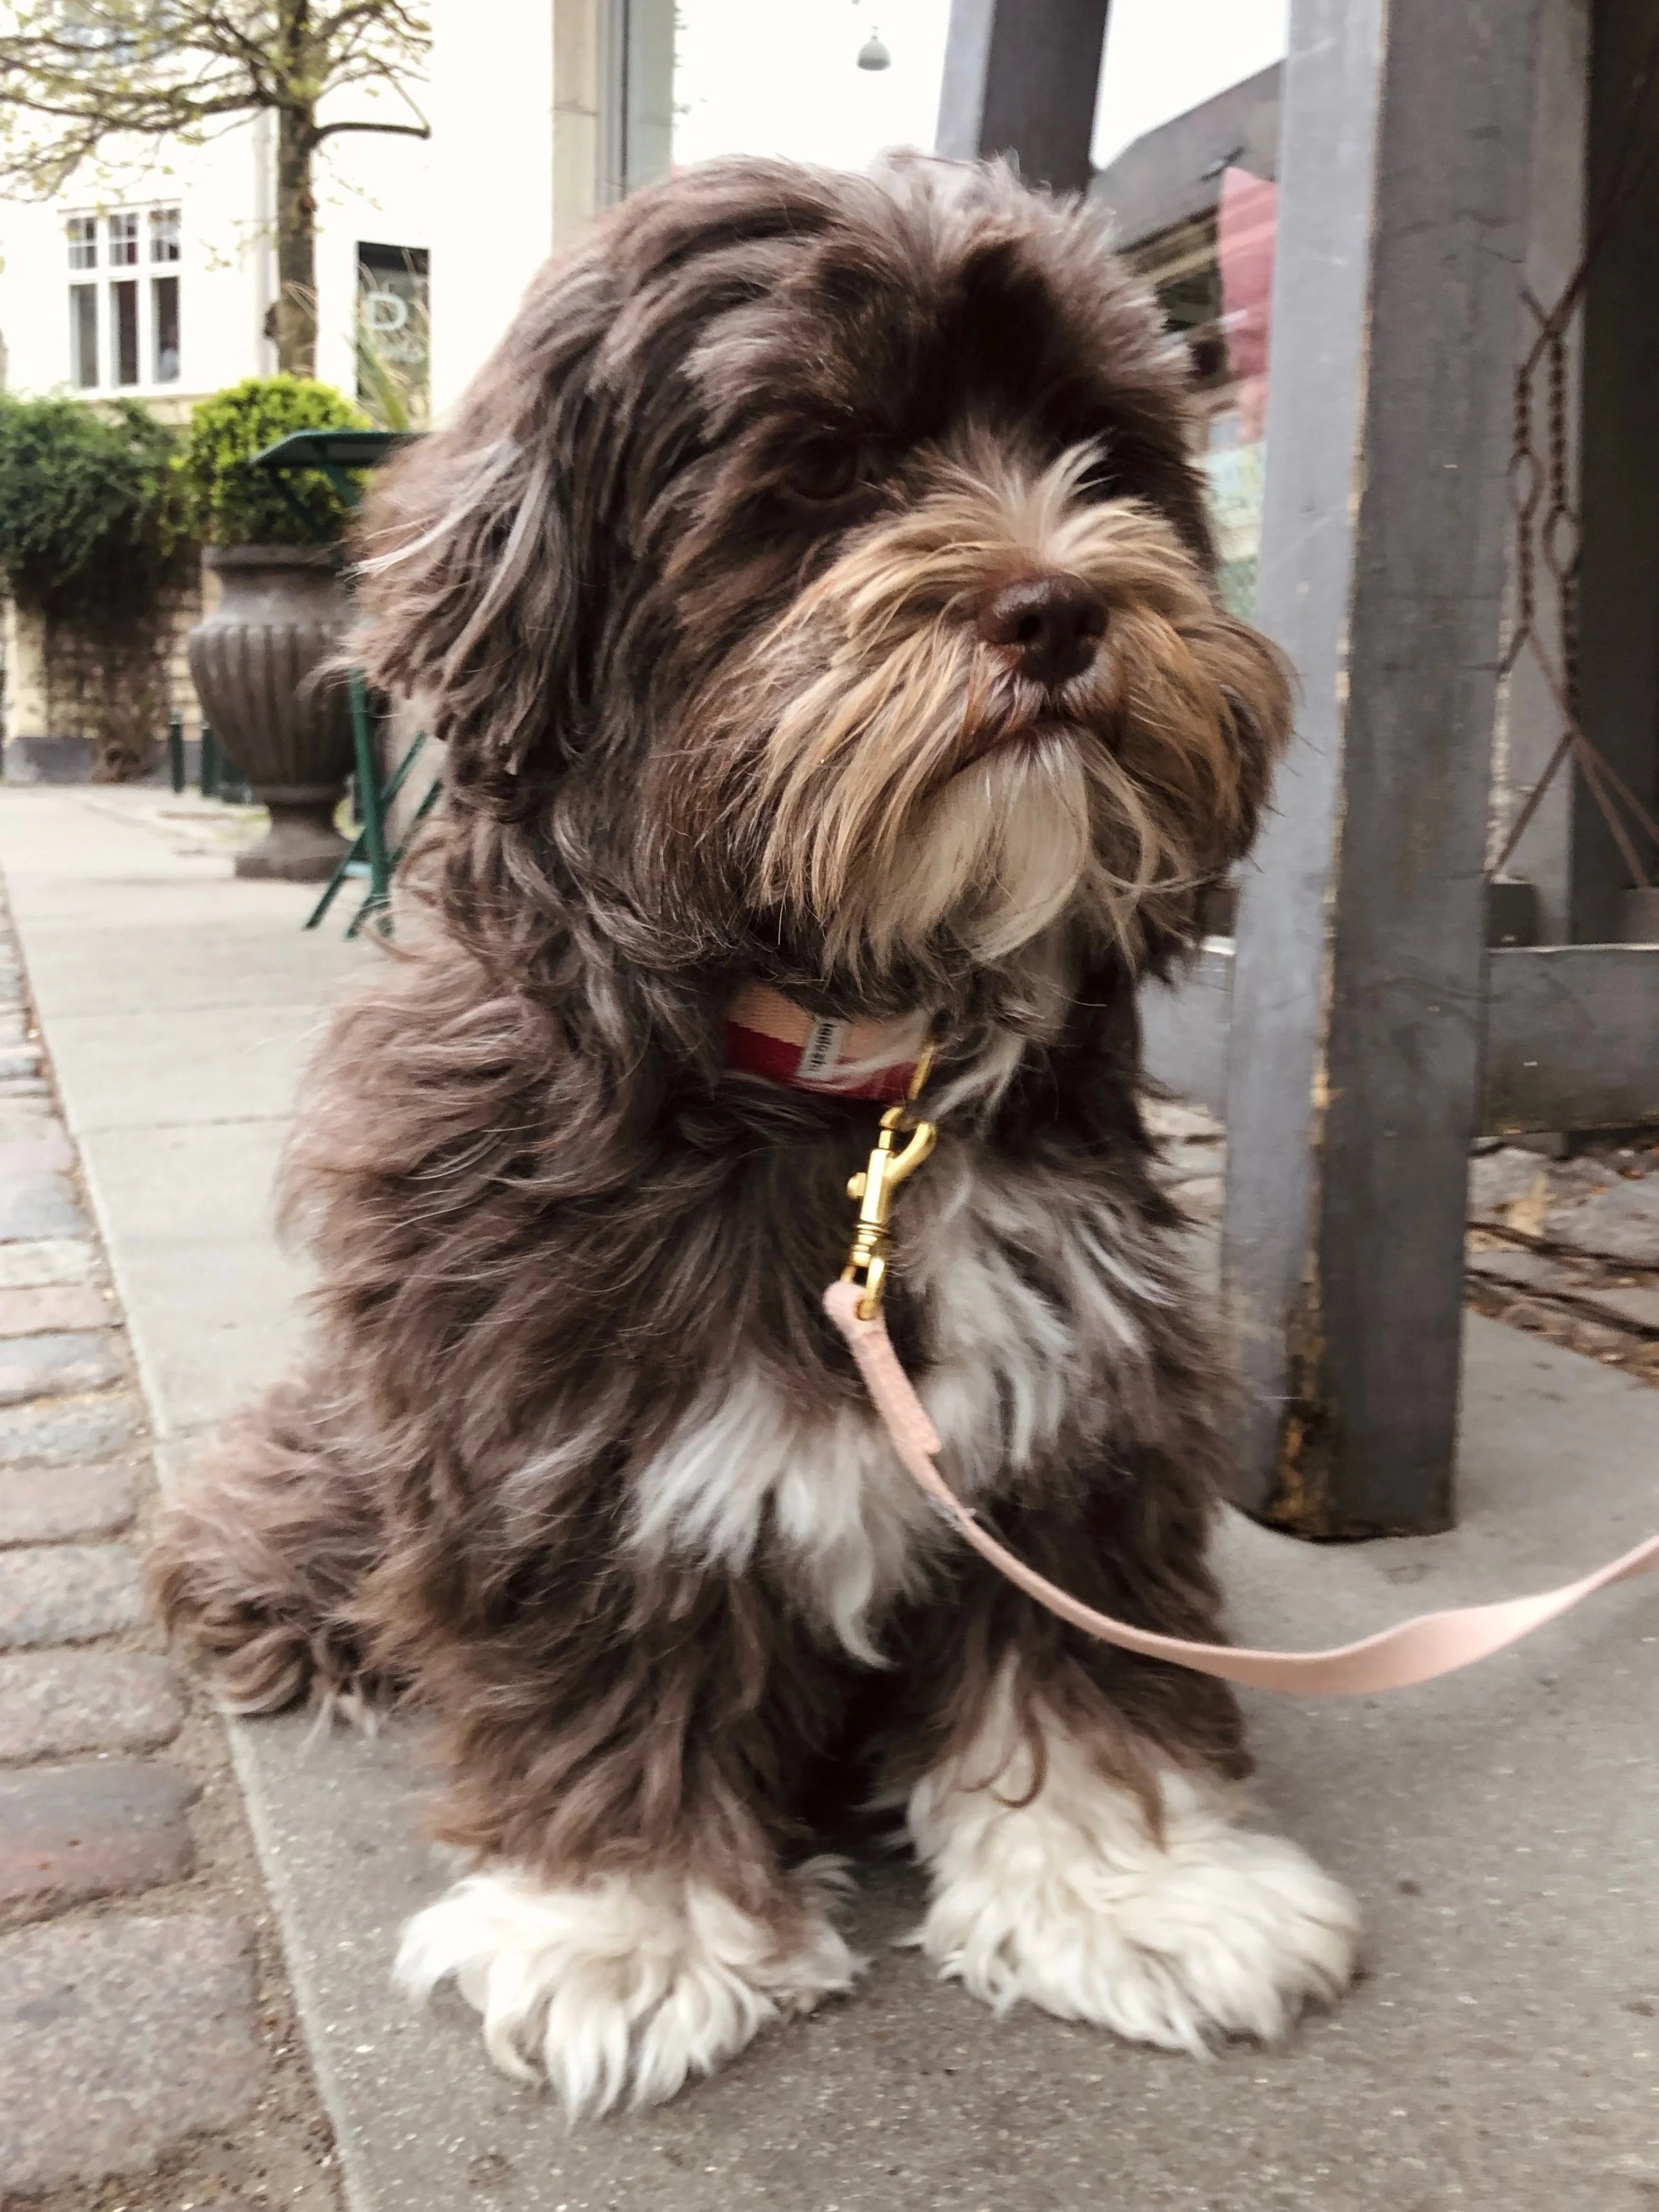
pixel 336 455
pixel 218 775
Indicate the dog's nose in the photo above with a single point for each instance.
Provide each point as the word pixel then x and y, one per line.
pixel 1054 622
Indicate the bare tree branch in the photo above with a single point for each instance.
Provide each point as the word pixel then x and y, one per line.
pixel 395 130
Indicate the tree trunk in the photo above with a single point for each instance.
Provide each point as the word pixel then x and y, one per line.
pixel 296 244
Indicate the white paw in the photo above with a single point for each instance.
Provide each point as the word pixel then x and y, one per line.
pixel 1071 1903
pixel 623 1988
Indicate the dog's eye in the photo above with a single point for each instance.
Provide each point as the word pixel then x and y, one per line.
pixel 827 468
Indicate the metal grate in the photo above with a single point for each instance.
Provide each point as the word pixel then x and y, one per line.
pixel 1548 526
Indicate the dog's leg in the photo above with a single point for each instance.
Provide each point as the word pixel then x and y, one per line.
pixel 622 1986
pixel 258 1557
pixel 634 1920
pixel 1078 1813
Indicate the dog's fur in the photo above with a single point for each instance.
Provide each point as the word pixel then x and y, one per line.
pixel 690 589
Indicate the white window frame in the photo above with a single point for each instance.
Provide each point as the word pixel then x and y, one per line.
pixel 126 233
pixel 150 239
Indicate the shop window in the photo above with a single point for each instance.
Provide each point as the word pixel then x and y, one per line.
pixel 393 333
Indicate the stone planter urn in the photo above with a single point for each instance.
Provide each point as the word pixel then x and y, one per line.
pixel 282 609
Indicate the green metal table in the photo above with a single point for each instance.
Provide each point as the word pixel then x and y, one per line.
pixel 337 455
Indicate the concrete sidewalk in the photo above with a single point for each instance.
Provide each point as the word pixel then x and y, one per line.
pixel 1501 1829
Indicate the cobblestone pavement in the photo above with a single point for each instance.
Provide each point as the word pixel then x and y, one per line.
pixel 1565 1248
pixel 148 2057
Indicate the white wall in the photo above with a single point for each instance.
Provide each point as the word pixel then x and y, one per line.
pixel 491 101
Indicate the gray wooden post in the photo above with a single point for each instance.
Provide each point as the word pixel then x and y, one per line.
pixel 1020 78
pixel 1354 1050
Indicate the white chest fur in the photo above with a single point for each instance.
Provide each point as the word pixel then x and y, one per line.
pixel 1030 1290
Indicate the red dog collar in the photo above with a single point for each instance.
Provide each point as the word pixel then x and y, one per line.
pixel 768 1034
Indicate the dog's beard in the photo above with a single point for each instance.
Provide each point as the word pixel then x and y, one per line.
pixel 893 783
pixel 993 856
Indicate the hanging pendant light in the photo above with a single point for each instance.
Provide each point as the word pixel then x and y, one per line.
pixel 872 55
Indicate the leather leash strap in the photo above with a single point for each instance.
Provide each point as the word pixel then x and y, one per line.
pixel 1417 1651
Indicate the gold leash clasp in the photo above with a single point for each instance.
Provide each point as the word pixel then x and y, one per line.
pixel 873 1187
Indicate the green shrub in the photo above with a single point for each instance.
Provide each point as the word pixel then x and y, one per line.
pixel 93 527
pixel 230 503
pixel 94 542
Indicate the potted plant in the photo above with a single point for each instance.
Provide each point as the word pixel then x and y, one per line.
pixel 283 606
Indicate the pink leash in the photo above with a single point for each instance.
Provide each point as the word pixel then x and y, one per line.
pixel 1416 1651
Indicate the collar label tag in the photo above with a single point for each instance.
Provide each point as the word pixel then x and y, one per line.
pixel 821 1052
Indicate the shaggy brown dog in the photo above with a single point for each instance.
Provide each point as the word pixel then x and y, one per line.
pixel 814 593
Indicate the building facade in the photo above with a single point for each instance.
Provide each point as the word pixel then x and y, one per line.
pixel 153 276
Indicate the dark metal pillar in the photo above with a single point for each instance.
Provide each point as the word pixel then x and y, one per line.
pixel 1355 1046
pixel 1020 79
pixel 1618 567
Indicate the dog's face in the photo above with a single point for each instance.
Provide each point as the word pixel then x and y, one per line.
pixel 819 569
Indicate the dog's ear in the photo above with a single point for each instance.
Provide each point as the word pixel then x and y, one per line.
pixel 474 554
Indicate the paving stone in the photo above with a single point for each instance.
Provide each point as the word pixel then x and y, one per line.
pixel 28 1121
pixel 19 1060
pixel 39 1204
pixel 66 1592
pixel 1498 1179
pixel 1619 1223
pixel 58 1366
pixel 101 1827
pixel 76 1429
pixel 48 1149
pixel 118 2037
pixel 1634 1308
pixel 43 1505
pixel 1527 1271
pixel 1566 1325
pixel 28 1265
pixel 44 1307
pixel 25 1088
pixel 53 1703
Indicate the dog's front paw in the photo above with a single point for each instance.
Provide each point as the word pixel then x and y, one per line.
pixel 1073 1905
pixel 622 1988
